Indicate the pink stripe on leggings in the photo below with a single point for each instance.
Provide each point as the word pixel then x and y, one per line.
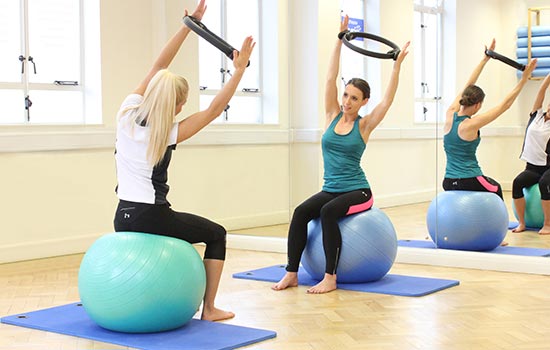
pixel 360 207
pixel 486 184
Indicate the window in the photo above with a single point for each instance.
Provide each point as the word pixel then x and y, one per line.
pixel 353 64
pixel 45 62
pixel 233 20
pixel 427 63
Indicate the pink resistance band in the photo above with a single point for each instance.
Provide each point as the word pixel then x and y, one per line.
pixel 486 184
pixel 360 207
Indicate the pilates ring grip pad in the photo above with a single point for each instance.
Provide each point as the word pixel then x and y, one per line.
pixel 347 37
pixel 505 59
pixel 199 28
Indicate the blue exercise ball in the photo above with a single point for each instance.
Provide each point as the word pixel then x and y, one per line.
pixel 534 216
pixel 369 247
pixel 467 220
pixel 141 283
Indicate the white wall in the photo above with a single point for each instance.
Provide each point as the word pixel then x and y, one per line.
pixel 59 202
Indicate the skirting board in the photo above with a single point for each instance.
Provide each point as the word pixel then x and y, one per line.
pixel 46 248
pixel 245 222
pixel 407 255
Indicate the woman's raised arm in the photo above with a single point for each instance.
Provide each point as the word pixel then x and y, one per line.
pixel 170 50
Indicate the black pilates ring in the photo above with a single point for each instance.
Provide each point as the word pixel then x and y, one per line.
pixel 199 28
pixel 505 59
pixel 347 37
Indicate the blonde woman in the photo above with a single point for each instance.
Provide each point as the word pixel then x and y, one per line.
pixel 536 154
pixel 147 133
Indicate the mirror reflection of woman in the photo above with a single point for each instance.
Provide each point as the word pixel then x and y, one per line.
pixel 462 132
pixel 536 154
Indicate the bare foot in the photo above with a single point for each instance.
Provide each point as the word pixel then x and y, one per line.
pixel 519 228
pixel 215 314
pixel 503 244
pixel 328 284
pixel 290 279
pixel 545 230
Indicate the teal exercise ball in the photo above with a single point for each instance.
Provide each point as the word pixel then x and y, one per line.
pixel 534 216
pixel 369 248
pixel 141 283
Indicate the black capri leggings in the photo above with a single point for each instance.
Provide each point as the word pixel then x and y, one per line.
pixel 160 219
pixel 329 207
pixel 531 175
pixel 480 183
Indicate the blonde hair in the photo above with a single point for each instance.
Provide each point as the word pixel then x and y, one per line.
pixel 164 93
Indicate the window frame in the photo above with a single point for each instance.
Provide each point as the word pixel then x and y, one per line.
pixel 434 98
pixel 255 92
pixel 365 67
pixel 89 97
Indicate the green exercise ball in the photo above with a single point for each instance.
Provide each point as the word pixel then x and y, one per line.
pixel 534 216
pixel 141 283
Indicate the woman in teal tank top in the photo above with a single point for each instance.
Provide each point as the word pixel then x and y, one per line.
pixel 462 135
pixel 346 190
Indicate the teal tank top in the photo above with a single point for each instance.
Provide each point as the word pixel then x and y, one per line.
pixel 461 155
pixel 342 159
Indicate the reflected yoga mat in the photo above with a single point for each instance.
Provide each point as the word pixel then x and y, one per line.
pixel 72 320
pixel 409 286
pixel 498 250
pixel 514 224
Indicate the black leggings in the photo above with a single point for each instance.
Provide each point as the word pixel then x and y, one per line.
pixel 329 207
pixel 480 183
pixel 160 219
pixel 532 174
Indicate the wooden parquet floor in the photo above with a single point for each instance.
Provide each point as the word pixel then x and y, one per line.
pixel 488 310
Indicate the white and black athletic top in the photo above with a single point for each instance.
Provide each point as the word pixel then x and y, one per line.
pixel 536 145
pixel 137 180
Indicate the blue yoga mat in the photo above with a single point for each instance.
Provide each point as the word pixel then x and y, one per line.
pixel 542 62
pixel 514 224
pixel 72 320
pixel 539 51
pixel 535 31
pixel 537 73
pixel 535 41
pixel 498 250
pixel 409 286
